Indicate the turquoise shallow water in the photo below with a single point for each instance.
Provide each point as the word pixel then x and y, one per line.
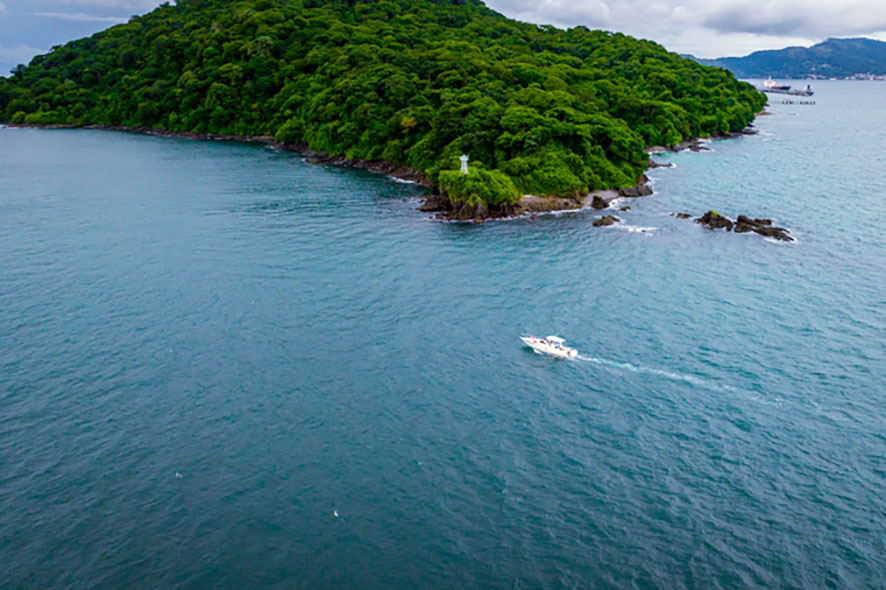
pixel 223 367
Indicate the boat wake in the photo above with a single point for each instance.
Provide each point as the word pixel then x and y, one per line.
pixel 690 379
pixel 649 371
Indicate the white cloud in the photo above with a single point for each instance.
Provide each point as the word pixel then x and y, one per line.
pixel 711 28
pixel 807 17
pixel 19 53
pixel 80 16
pixel 132 6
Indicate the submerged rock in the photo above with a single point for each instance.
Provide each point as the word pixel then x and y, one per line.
pixel 682 215
pixel 625 208
pixel 605 220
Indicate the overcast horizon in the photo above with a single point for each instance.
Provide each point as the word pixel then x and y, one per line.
pixel 704 28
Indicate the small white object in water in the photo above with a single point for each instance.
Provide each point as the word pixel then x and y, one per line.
pixel 178 475
pixel 335 513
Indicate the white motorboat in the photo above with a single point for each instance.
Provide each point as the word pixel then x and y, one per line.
pixel 552 345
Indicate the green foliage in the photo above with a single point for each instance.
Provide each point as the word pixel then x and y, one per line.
pixel 414 82
pixel 492 187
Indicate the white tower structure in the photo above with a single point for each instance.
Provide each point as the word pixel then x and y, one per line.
pixel 464 163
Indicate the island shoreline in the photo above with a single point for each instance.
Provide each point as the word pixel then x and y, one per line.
pixel 528 205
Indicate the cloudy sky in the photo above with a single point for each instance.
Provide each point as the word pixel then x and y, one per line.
pixel 706 28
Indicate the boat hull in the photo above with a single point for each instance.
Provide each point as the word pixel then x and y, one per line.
pixel 791 92
pixel 542 347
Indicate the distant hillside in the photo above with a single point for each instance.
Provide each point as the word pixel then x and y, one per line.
pixel 834 58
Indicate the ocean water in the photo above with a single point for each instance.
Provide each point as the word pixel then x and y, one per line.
pixel 221 366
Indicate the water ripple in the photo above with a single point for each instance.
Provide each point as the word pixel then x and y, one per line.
pixel 209 349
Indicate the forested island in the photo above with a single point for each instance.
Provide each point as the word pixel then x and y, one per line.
pixel 412 83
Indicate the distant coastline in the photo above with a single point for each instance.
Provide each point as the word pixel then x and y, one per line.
pixel 834 59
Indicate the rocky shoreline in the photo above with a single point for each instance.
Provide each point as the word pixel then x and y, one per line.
pixel 531 205
pixel 534 205
pixel 436 203
pixel 378 166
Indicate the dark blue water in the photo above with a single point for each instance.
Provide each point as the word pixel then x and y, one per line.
pixel 223 367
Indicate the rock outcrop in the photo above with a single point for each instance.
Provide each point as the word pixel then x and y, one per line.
pixel 641 189
pixel 599 202
pixel 762 227
pixel 713 220
pixel 605 220
pixel 476 212
pixel 435 203
pixel 744 224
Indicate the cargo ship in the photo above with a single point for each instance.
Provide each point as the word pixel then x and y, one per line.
pixel 770 86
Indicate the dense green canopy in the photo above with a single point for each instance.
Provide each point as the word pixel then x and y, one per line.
pixel 414 82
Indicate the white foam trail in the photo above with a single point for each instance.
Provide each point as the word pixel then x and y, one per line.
pixel 634 228
pixel 782 242
pixel 401 180
pixel 691 379
pixel 648 370
pixel 522 216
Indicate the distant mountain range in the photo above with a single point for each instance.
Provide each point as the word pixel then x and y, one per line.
pixel 834 58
